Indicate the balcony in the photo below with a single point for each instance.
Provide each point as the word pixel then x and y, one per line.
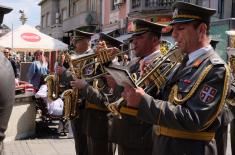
pixel 150 6
pixel 81 19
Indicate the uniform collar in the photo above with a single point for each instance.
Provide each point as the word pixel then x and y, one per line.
pixel 196 54
pixel 85 52
pixel 152 56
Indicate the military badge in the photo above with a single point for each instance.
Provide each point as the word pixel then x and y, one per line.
pixel 207 94
pixel 175 13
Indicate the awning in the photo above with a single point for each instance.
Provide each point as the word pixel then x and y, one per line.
pixel 231 33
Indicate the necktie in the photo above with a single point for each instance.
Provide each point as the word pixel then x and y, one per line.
pixel 184 62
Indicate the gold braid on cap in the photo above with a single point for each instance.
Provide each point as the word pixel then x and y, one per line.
pixel 186 16
pixel 141 29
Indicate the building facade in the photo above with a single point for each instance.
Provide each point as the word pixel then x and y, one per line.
pixel 60 17
pixel 115 14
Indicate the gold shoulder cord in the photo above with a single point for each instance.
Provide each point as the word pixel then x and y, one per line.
pixel 222 101
pixel 173 97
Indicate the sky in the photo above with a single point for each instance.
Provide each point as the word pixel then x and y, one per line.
pixel 30 7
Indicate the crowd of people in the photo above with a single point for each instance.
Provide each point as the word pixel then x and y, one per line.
pixel 186 115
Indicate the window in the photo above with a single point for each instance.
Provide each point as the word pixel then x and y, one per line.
pixel 137 3
pixel 233 9
pixel 43 22
pixel 221 8
pixel 93 5
pixel 76 7
pixel 64 14
pixel 113 7
pixel 48 19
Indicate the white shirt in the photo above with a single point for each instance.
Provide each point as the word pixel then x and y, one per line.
pixel 196 54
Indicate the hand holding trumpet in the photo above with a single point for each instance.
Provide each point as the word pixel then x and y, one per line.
pixel 78 83
pixel 105 52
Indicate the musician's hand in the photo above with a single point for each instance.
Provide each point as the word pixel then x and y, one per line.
pixel 110 81
pixel 100 45
pixel 78 83
pixel 112 52
pixel 132 95
pixel 59 70
pixel 144 66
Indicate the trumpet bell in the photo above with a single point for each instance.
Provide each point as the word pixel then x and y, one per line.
pixel 161 68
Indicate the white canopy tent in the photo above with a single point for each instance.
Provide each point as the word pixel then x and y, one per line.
pixel 27 38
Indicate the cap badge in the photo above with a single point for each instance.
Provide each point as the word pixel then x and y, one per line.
pixel 175 13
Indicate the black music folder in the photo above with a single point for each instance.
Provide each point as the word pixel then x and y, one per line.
pixel 120 75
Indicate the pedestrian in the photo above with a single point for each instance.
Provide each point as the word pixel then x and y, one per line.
pixel 188 113
pixel 7 53
pixel 37 69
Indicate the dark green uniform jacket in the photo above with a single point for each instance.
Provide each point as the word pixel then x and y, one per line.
pixel 198 113
pixel 7 93
pixel 129 132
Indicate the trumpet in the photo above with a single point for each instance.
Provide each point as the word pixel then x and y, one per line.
pixel 158 73
pixel 102 58
pixel 81 68
pixel 162 68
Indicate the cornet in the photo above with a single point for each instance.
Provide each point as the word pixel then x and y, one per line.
pixel 83 67
pixel 102 58
pixel 157 73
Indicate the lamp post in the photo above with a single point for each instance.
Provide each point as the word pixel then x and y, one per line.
pixel 23 17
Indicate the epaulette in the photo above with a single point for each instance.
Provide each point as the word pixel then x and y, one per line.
pixel 216 60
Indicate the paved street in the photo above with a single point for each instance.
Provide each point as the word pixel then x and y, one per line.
pixel 48 142
pixel 40 147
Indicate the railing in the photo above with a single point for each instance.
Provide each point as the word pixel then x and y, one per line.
pixel 149 5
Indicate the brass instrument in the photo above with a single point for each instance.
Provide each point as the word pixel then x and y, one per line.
pixel 71 98
pixel 165 46
pixel 232 64
pixel 100 58
pixel 53 82
pixel 50 84
pixel 157 73
pixel 84 67
pixel 231 101
pixel 161 68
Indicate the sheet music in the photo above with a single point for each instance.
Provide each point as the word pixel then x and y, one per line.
pixel 121 76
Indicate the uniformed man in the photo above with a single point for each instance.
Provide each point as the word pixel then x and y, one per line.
pixel 231 102
pixel 96 95
pixel 188 114
pixel 232 124
pixel 81 42
pixel 134 137
pixel 226 117
pixel 7 87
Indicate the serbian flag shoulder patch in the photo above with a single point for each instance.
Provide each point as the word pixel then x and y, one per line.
pixel 207 94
